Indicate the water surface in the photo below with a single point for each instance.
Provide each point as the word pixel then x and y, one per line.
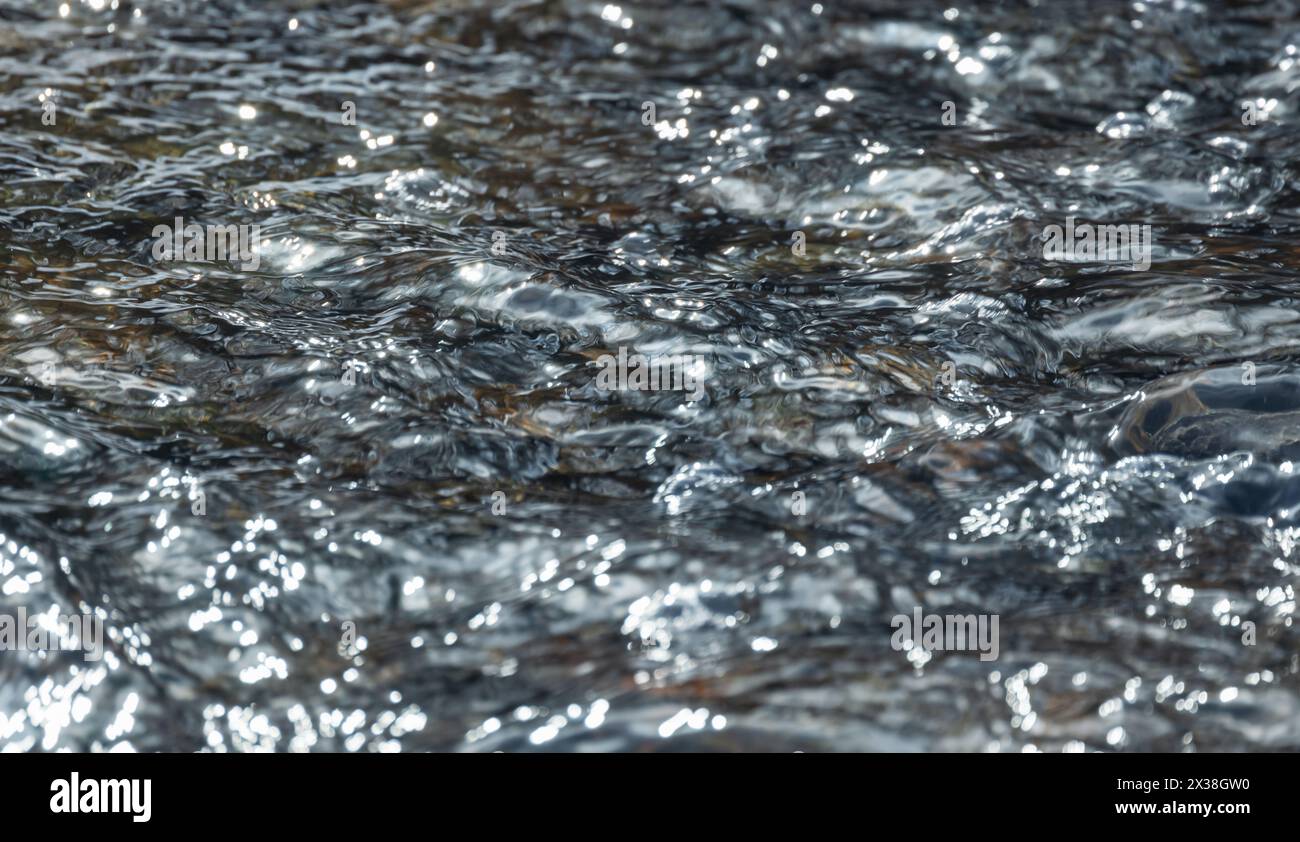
pixel 529 562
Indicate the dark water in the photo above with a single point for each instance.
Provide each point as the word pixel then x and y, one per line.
pixel 644 581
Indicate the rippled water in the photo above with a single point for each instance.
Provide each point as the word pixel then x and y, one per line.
pixel 1095 468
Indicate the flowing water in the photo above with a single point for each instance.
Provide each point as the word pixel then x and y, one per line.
pixel 368 495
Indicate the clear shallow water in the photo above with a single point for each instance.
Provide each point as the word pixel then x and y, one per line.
pixel 647 585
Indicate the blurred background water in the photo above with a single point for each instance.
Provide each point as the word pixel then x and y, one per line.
pixel 181 451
